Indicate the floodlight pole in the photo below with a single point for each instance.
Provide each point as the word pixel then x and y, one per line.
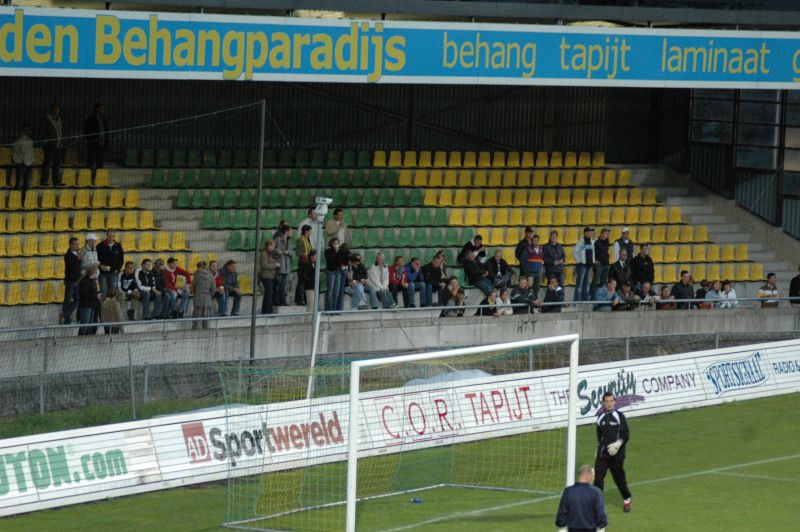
pixel 256 256
pixel 321 210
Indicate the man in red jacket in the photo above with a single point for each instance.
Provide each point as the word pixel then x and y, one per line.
pixel 172 273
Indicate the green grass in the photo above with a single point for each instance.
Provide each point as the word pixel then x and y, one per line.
pixel 670 466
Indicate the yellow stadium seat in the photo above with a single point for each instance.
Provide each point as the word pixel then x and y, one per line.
pixel 48 199
pixel 114 220
pixel 420 178
pixel 66 199
pixel 84 178
pixel 610 178
pixel 598 159
pixel 80 221
pixel 406 178
pixel 515 217
pixel 48 294
pixel 454 161
pixel 701 233
pixel 99 199
pixel 445 197
pixel 570 159
pixel 450 178
pixel 3 196
pixel 14 247
pixel 714 272
pixel 535 197
pixel 485 216
pixel 246 284
pixel 471 217
pixel 618 216
pixel 624 178
pixel 115 199
pixel 607 197
pixel 45 245
pixel 31 201
pixel 440 159
pixel 650 197
pixel 539 178
pixel 501 217
pixel 435 178
pixel 69 177
pixel 728 272
pixel 670 273
pixel 621 197
pixel 568 178
pixel 513 159
pixel 31 246
pixel 30 270
pixel 757 272
pixel 460 198
pixel 712 253
pixel 589 217
pixel 484 159
pixel 727 253
pixel 687 234
pixel 524 178
pixel 549 198
pixel 632 216
pixel 684 253
pixel 643 234
pixel 596 178
pixel 698 272
pixel 570 235
pixel 593 197
pixel 31 223
pixel 470 160
pixel 14 294
pixel 146 242
pixel 674 215
pixel 97 221
pixel 556 159
pixel 698 253
pixel 495 179
pixel 14 202
pixel 146 221
pixel 660 216
pixel 741 253
pixel 526 159
pixel 569 276
pixel 46 222
pixel 635 196
pixel 530 217
pixel 616 233
pixel 14 222
pixel 379 159
pixel 505 198
pixel 553 178
pixel 673 234
pixel 659 234
pixel 3 251
pixel 582 178
pixel 658 275
pixel 424 160
pixel 563 199
pixel 395 159
pixel 82 200
pixel 508 255
pixel 545 217
pixel 574 217
pixel 162 241
pixel 578 197
pixel 179 241
pixel 456 217
pixel 604 216
pixel 646 216
pixel 5 156
pixel 31 294
pixel 479 179
pixel 743 272
pixel 542 159
pixel 509 178
pixel 47 270
pixel 101 178
pixel 656 253
pixel 431 197
pixel 560 216
pixel 489 198
pixel 129 242
pixel 495 236
pixel 499 159
pixel 584 159
pixel 464 178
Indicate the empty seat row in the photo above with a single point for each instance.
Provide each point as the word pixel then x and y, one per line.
pixel 515 178
pixel 31 269
pixel 57 244
pixel 565 216
pixel 240 158
pixel 59 221
pixel 69 199
pixel 548 197
pixel 485 159
pixel 72 177
pixel 295 198
pixel 281 178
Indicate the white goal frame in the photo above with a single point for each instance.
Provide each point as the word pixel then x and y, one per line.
pixel 355 375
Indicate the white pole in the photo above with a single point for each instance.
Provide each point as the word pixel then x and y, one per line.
pixel 315 312
pixel 352 449
pixel 572 414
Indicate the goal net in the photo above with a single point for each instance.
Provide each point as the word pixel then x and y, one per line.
pixel 438 435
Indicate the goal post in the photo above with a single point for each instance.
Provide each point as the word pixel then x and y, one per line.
pixel 354 403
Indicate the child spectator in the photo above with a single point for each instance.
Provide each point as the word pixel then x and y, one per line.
pixel 111 312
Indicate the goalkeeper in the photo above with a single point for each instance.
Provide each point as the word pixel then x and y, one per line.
pixel 612 436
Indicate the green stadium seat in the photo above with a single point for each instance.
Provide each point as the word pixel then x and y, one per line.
pixel 358 239
pixel 409 217
pixel 377 178
pixel 189 179
pixel 270 219
pixel 234 241
pixel 313 178
pixel 179 158
pixel 225 220
pixel 378 217
pixel 440 219
pixel 364 159
pixel 339 198
pixel 225 159
pixel 229 199
pixel 240 158
pixel 451 255
pixel 317 159
pixel 131 157
pixel 307 197
pixel 285 159
pixel 348 159
pixel 247 199
pixel 174 178
pixel 360 178
pixel 249 243
pixel 162 157
pixel 194 159
pixel 221 179
pixel 415 197
pixel 205 179
pixel 240 219
pixel 198 199
pixel 148 158
pixel 209 220
pixel 236 178
pixel 437 237
pixel 389 239
pixel 184 200
pixel 328 177
pixel 362 218
pixel 425 217
pixel 209 158
pixel 405 238
pixel 280 179
pixel 158 179
pixel 452 237
pixel 275 200
pixel 421 237
pixel 333 159
pixel 251 178
pixel 214 199
pixel 386 196
pixel 394 218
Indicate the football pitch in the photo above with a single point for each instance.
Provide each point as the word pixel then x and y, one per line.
pixel 729 467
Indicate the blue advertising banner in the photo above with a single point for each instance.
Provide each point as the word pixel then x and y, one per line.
pixel 122 44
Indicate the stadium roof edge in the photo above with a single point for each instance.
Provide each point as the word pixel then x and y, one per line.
pixel 505 10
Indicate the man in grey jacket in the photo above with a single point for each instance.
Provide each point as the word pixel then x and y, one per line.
pixel 203 289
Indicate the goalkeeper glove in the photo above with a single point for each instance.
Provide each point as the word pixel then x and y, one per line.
pixel 613 449
pixel 562 529
pixel 601 530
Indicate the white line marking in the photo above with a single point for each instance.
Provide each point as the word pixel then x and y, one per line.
pixel 765 477
pixel 490 509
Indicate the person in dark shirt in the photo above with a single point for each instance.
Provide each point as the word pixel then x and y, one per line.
pixel 522 296
pixel 476 246
pixel 683 290
pixel 499 270
pixel 794 290
pixel 612 440
pixel 88 301
pixel 602 264
pixel 642 268
pixel 476 274
pixel 434 278
pixel 553 294
pixel 621 269
pixel 582 507
pixel 111 257
pixel 72 275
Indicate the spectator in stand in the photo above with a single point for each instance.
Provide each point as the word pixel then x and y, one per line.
pixel 203 289
pixel 417 283
pixel 642 268
pixel 51 138
pixel 311 221
pixel 488 305
pixel 628 300
pixel 476 274
pixel 148 291
pixel 128 288
pixel 530 256
pixel 434 278
pixel 378 276
pixel 647 296
pixel 284 253
pixel 95 129
pixel 336 226
pixel 232 289
pixel 554 293
pixel 167 296
pixel 306 273
pixel 23 157
pixel 500 271
pixel 398 280
pixel 111 312
pixel 683 290
pixel 608 296
pixel 171 274
pixel 303 249
pixel 343 257
pixel 88 301
pixel 624 242
pixel 584 263
pixel 712 296
pixel 666 301
pixel 602 262
pixel 621 269
pixel 358 285
pixel 728 296
pixel 504 307
pixel 768 292
pixel 88 254
pixel 522 296
pixel 476 246
pixel 554 258
pixel 794 290
pixel 219 291
pixel 333 272
pixel 269 267
pixel 450 298
pixel 700 295
pixel 72 276
pixel 111 257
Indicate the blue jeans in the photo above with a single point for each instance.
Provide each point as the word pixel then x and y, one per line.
pixel 386 298
pixel 222 302
pixel 184 304
pixel 357 296
pixel 485 286
pixel 87 315
pixel 334 292
pixel 168 299
pixel 70 303
pixel 424 290
pixel 279 291
pixel 582 282
pixel 599 277
pixel 144 299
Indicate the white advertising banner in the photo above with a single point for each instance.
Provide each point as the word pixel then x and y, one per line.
pixel 89 464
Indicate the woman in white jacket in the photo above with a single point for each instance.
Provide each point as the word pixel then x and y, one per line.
pixel 728 296
pixel 378 277
pixel 503 306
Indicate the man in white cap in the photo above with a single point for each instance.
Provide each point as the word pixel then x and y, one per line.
pixel 89 253
pixel 624 242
